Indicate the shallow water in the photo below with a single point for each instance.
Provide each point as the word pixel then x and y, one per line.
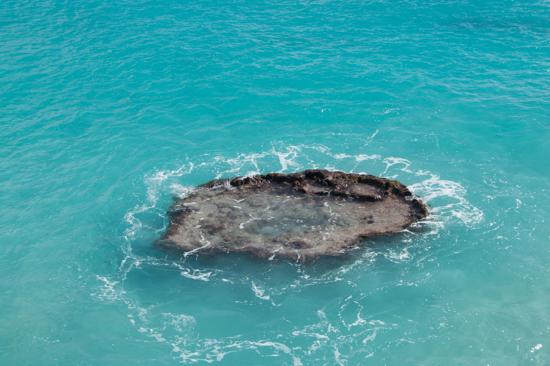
pixel 110 109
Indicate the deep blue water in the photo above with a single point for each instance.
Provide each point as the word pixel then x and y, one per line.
pixel 109 109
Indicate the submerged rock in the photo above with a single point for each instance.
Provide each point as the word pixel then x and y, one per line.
pixel 298 216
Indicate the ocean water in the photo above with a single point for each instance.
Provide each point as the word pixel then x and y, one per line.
pixel 109 109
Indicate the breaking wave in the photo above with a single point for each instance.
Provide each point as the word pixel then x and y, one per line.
pixel 328 336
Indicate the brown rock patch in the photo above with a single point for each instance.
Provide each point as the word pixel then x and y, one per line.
pixel 297 216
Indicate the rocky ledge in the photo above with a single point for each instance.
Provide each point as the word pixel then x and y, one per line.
pixel 298 216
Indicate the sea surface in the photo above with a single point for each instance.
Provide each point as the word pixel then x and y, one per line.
pixel 109 109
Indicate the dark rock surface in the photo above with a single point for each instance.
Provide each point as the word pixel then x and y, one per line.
pixel 297 216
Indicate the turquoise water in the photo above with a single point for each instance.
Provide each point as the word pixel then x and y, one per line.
pixel 108 109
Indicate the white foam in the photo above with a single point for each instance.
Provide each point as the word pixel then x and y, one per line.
pixel 448 204
pixel 363 157
pixel 153 185
pixel 180 190
pixel 371 337
pixel 338 357
pixel 434 188
pixel 259 292
pixel 195 274
pixel 287 159
pixel 395 161
pixel 180 322
pixel 108 290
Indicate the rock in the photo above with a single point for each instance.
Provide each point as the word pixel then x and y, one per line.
pixel 299 216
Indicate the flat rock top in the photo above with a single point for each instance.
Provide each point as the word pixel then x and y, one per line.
pixel 297 216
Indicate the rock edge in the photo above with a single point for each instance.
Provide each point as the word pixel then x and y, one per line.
pixel 359 206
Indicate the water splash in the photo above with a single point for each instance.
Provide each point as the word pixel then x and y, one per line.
pixel 449 206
